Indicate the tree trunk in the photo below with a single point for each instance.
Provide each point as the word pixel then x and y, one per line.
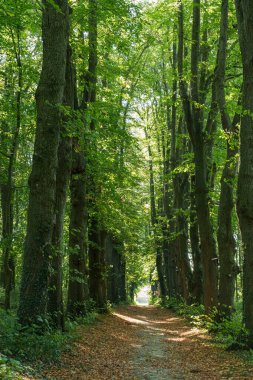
pixel 184 270
pixel 197 276
pixel 78 287
pixel 169 247
pixel 180 188
pixel 97 266
pixel 7 187
pixel 244 10
pixel 7 231
pixel 42 181
pixel 55 297
pixel 225 235
pixel 208 245
pixel 78 284
pixel 97 274
pixel 196 131
pixel 115 277
pixel 157 243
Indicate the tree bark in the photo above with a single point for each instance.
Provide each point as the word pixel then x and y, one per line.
pixel 55 296
pixel 197 275
pixel 244 10
pixel 154 223
pixel 169 248
pixel 97 265
pixel 42 181
pixel 7 187
pixel 78 292
pixel 196 131
pixel 97 274
pixel 225 233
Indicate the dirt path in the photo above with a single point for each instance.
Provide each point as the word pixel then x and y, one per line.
pixel 147 343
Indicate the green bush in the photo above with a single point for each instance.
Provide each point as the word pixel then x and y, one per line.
pixel 184 310
pixel 11 369
pixel 27 344
pixel 228 331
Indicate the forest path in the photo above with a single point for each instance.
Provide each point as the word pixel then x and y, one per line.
pixel 148 343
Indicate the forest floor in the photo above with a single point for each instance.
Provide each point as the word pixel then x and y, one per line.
pixel 146 343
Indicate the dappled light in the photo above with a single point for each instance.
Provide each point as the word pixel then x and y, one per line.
pixel 136 343
pixel 126 189
pixel 131 320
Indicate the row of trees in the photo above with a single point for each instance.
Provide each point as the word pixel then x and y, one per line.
pixel 198 101
pixel 85 212
pixel 133 118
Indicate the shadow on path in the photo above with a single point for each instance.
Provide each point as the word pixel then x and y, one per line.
pixel 171 349
pixel 146 343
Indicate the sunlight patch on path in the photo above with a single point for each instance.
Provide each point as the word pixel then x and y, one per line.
pixel 131 320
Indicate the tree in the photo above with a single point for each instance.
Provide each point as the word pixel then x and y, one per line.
pixel 55 297
pixel 244 11
pixel 195 126
pixel 42 181
pixel 225 233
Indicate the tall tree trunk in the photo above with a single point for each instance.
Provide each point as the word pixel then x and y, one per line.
pixel 42 181
pixel 197 275
pixel 154 224
pixel 98 290
pixel 55 297
pixel 180 188
pixel 78 292
pixel 244 10
pixel 169 247
pixel 180 207
pixel 7 231
pixel 97 236
pixel 196 131
pixel 78 289
pixel 7 187
pixel 225 235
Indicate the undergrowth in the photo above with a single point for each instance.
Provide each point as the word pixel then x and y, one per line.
pixel 20 347
pixel 11 369
pixel 226 331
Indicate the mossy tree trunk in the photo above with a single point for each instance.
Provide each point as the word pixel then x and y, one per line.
pixel 97 235
pixel 196 129
pixel 8 183
pixel 225 233
pixel 244 10
pixel 42 181
pixel 55 296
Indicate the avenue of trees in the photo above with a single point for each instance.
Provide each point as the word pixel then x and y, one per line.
pixel 126 155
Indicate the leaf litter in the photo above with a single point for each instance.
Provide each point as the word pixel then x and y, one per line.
pixel 148 343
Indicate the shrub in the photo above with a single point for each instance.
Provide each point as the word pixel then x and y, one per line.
pixel 228 331
pixel 27 344
pixel 11 369
pixel 184 310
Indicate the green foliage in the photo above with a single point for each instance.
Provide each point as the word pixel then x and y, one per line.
pixel 27 344
pixel 184 310
pixel 227 331
pixel 88 319
pixel 11 369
